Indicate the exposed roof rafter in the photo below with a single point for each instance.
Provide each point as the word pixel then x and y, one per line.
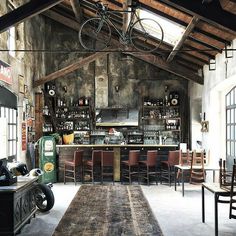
pixel 170 67
pixel 68 69
pixel 26 11
pixel 212 13
pixel 77 10
pixel 181 41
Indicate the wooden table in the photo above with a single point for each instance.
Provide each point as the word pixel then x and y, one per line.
pixel 184 168
pixel 218 192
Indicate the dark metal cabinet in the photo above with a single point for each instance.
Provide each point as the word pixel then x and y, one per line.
pixel 17 206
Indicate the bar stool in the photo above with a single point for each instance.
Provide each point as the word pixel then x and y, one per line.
pixel 93 166
pixel 149 166
pixel 107 165
pixel 74 167
pixel 167 167
pixel 130 167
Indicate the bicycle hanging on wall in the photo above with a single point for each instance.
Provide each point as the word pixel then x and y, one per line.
pixel 144 34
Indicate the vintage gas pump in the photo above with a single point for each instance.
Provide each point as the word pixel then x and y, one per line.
pixel 47 159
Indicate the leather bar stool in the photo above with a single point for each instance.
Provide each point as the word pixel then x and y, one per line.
pixel 167 167
pixel 74 168
pixel 130 167
pixel 148 167
pixel 93 166
pixel 107 165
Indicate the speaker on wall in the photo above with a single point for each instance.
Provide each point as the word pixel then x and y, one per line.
pixel 51 89
pixel 174 98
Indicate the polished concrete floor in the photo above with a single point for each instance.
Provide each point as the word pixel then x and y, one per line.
pixel 177 215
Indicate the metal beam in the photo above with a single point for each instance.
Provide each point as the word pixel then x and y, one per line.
pixel 170 67
pixel 26 11
pixel 181 41
pixel 211 13
pixel 68 69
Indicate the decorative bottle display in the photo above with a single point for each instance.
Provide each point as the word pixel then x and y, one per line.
pixel 71 115
pixel 161 119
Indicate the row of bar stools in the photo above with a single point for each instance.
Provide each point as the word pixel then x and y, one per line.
pixel 139 168
pixel 100 165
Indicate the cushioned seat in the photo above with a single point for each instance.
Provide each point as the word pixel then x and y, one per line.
pixel 148 167
pixel 74 168
pixel 130 167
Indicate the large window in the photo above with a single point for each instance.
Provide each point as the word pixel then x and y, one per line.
pixel 8 126
pixel 231 126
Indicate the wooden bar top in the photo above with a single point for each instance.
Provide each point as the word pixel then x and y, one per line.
pixel 114 145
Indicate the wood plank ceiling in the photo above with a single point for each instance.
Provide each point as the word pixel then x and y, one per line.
pixel 210 26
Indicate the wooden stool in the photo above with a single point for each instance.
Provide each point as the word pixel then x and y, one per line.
pixel 149 166
pixel 107 165
pixel 93 166
pixel 167 167
pixel 71 168
pixel 130 167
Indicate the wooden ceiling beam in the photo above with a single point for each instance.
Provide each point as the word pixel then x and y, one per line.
pixel 200 41
pixel 211 13
pixel 62 19
pixel 181 41
pixel 75 4
pixel 68 69
pixel 126 16
pixel 172 67
pixel 26 11
pixel 73 24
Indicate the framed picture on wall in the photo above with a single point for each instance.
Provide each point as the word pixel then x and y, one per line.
pixel 26 91
pixel 21 83
pixel 205 126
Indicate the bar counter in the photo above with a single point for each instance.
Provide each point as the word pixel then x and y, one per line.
pixel 121 151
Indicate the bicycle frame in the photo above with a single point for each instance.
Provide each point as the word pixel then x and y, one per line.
pixel 124 35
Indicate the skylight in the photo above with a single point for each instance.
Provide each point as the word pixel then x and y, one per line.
pixel 172 30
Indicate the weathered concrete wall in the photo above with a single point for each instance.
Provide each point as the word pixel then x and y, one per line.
pixel 27 64
pixel 113 80
pixel 216 85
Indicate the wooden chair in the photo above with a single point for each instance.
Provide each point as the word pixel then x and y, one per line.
pixel 232 202
pixel 167 167
pixel 225 176
pixel 185 159
pixel 107 165
pixel 197 173
pixel 130 167
pixel 74 167
pixel 93 166
pixel 148 167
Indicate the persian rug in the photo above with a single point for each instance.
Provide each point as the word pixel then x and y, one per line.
pixel 108 210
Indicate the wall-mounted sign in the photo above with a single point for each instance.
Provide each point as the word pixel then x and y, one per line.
pixel 5 72
pixel 23 136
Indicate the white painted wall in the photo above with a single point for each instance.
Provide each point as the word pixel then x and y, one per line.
pixel 216 85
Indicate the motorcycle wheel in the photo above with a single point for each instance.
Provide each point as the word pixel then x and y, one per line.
pixel 44 197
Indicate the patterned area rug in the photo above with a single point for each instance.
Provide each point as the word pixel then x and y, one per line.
pixel 108 210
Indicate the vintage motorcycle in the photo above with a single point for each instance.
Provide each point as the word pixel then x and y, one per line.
pixel 44 197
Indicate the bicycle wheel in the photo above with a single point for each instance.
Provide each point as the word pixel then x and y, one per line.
pixel 146 35
pixel 94 34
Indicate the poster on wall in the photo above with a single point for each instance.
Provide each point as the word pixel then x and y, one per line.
pixel 21 84
pixel 3 137
pixel 5 72
pixel 23 138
